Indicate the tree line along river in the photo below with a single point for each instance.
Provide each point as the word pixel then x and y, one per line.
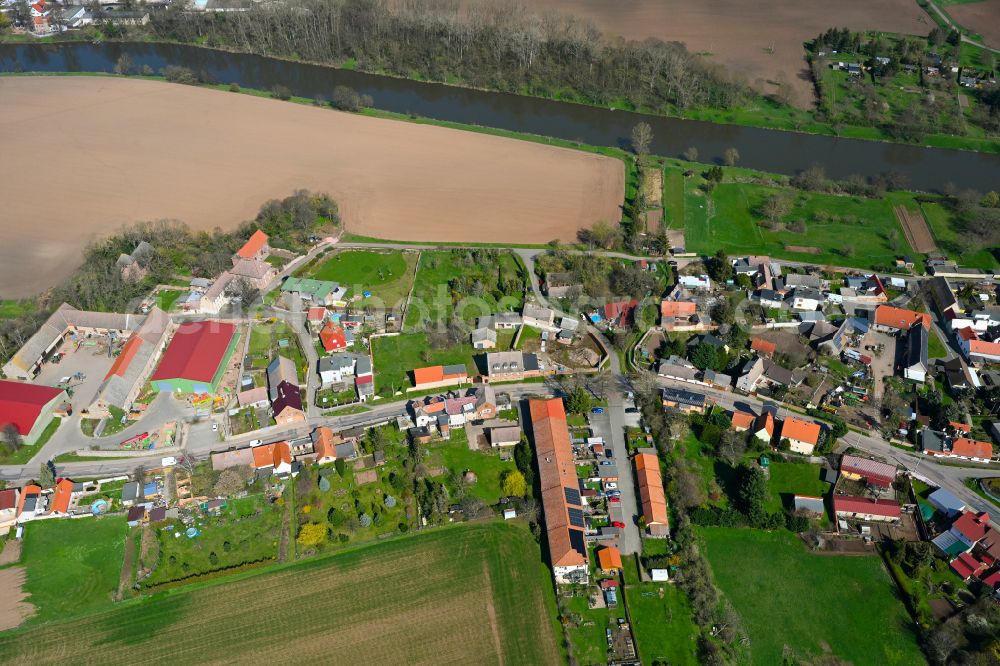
pixel 777 151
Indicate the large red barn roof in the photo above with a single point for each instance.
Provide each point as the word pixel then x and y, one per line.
pixel 22 403
pixel 195 351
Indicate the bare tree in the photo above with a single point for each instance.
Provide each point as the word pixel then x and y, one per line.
pixel 731 156
pixel 12 437
pixel 691 154
pixel 642 137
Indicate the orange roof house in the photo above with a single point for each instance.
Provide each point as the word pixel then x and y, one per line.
pixel 256 247
pixel 30 489
pixel 763 346
pixel 333 338
pixel 887 316
pixel 60 500
pixel 561 502
pixel 677 308
pixel 325 446
pixel 763 427
pixel 971 448
pixel 652 499
pixel 802 435
pixel 277 455
pixel 439 375
pixel 609 559
pixel 742 421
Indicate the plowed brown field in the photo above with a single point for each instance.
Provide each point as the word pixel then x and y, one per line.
pixel 83 156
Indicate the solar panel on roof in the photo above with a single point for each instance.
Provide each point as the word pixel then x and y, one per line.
pixel 577 541
pixel 576 518
pixel 573 496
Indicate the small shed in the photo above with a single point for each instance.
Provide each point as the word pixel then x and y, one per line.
pixel 659 575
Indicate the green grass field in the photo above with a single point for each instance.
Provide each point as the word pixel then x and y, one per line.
pixel 166 299
pixel 789 479
pixel 661 620
pixel 387 275
pixel 673 197
pixel 394 357
pixel 72 566
pixel 474 594
pixel 728 219
pixel 476 283
pixel 819 606
pixel 27 452
pixel 454 453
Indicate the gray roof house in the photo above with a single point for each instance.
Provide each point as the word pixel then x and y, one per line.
pixel 280 370
pixel 915 355
pixel 809 503
pixel 945 502
pixel 934 441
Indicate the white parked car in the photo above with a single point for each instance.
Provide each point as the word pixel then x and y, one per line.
pixel 611 486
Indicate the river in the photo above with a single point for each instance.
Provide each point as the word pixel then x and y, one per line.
pixel 775 151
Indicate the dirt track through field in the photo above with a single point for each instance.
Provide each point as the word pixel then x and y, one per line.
pixel 915 228
pixel 13 607
pixel 114 151
pixel 742 35
pixel 982 17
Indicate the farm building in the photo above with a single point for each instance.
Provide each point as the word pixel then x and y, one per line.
pixel 864 508
pixel 561 501
pixel 28 407
pixel 871 471
pixel 125 378
pixel 196 358
pixel 888 318
pixel 66 323
pixel 652 499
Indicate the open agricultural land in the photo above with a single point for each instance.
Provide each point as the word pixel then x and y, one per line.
pixel 811 606
pixel 469 594
pixel 72 567
pixel 982 18
pixel 760 41
pixel 209 170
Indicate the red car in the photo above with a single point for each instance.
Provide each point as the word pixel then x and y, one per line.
pixel 618 523
pixel 615 499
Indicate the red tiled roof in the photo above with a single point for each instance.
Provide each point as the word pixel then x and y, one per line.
pixel 967 333
pixel 965 565
pixel 802 431
pixel 992 580
pixel 60 500
pixel 964 427
pixel 972 526
pixel 972 448
pixel 743 420
pixel 128 352
pixel 763 346
pixel 764 422
pixel 316 314
pixel 196 351
pixel 652 499
pixel 333 337
pixel 8 499
pixel 253 246
pixel 677 308
pixel 877 473
pixel 886 315
pixel 21 403
pixel 609 558
pixel 434 373
pixel 984 348
pixel 620 310
pixel 271 455
pixel 849 504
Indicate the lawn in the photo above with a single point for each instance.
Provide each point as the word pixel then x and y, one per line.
pixel 455 454
pixel 387 275
pixel 247 532
pixel 394 357
pixel 935 348
pixel 817 606
pixel 165 299
pixel 673 197
pixel 661 620
pixel 73 566
pixel 728 219
pixel 266 342
pixel 477 282
pixel 789 479
pixel 471 594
